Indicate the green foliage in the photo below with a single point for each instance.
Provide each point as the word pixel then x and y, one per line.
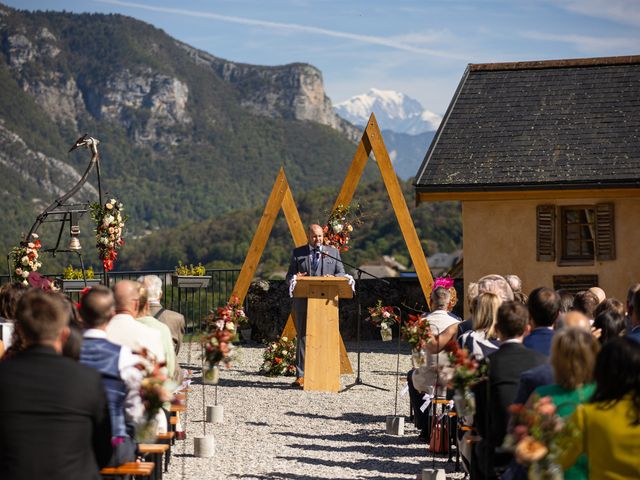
pixel 439 227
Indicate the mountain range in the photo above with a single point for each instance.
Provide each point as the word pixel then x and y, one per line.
pixel 186 137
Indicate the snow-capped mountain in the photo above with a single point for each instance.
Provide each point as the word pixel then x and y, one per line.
pixel 394 110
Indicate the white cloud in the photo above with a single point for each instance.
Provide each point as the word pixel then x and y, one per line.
pixel 389 42
pixel 587 43
pixel 621 11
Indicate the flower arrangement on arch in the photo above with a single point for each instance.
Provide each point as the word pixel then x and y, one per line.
pixel 25 258
pixel 417 332
pixel 231 312
pixel 337 231
pixel 466 370
pixel 536 434
pixel 109 230
pixel 383 316
pixel 280 358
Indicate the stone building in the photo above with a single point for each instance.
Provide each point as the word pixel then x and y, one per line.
pixel 545 158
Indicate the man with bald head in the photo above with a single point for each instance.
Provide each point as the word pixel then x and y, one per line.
pixel 124 329
pixel 310 260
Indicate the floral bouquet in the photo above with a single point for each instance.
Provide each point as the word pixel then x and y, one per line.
pixel 25 258
pixel 109 229
pixel 417 332
pixel 280 358
pixel 337 231
pixel 217 345
pixel 156 393
pixel 383 317
pixel 535 437
pixel 231 312
pixel 464 372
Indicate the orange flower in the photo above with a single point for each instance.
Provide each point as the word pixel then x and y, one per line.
pixel 530 450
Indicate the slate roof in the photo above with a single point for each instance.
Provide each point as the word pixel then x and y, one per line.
pixel 539 125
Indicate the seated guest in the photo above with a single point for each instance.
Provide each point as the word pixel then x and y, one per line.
pixel 573 358
pixel 566 304
pixel 607 428
pixel 634 334
pixel 586 302
pixel 610 324
pixel 599 293
pixel 515 282
pixel 472 294
pixel 482 340
pixel 444 326
pixel 496 284
pixel 165 335
pixel 55 421
pixel 632 290
pixel 173 320
pixel 10 294
pixel 543 374
pixel 494 395
pixel 117 366
pixel 124 329
pixel 544 308
pixel 609 304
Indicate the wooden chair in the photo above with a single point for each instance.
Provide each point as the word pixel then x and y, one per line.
pixel 155 451
pixel 130 469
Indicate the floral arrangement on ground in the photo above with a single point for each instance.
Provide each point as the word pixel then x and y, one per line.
pixel 109 230
pixel 280 358
pixel 25 258
pixel 337 231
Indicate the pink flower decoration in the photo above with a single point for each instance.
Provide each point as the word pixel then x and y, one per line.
pixel 445 282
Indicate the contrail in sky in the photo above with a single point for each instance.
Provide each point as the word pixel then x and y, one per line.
pixel 386 42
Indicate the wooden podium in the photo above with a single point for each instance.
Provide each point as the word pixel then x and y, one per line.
pixel 322 355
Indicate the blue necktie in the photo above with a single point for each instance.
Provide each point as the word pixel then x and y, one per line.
pixel 314 260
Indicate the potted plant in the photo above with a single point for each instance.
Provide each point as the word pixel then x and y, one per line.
pixel 74 281
pixel 188 276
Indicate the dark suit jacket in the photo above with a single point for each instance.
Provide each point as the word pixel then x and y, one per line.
pixel 301 263
pixel 54 418
pixel 173 320
pixel 635 334
pixel 539 340
pixel 532 379
pixel 494 396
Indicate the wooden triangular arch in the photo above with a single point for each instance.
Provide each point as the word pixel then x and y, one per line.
pixel 280 197
pixel 372 141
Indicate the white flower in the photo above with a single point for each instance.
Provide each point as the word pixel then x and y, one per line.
pixel 337 228
pixel 35 235
pixel 31 245
pixel 24 282
pixel 230 326
pixel 112 230
pixel 107 220
pixel 108 206
pixel 37 265
pixel 31 263
pixel 113 200
pixel 104 240
pixel 120 206
pixel 25 274
pixel 24 260
pixel 386 315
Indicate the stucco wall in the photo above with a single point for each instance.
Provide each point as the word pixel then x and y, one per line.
pixel 500 237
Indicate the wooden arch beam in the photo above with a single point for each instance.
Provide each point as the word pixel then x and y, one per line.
pixel 372 141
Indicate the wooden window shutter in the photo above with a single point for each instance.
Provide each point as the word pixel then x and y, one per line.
pixel 605 232
pixel 546 233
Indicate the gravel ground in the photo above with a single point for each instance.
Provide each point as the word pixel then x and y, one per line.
pixel 273 431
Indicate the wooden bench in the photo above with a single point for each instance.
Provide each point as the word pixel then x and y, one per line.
pixel 167 439
pixel 155 451
pixel 135 469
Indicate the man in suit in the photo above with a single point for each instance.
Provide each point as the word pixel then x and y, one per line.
pixel 117 367
pixel 173 320
pixel 494 395
pixel 314 259
pixel 55 422
pixel 544 309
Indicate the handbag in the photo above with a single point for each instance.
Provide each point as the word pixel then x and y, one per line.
pixel 439 434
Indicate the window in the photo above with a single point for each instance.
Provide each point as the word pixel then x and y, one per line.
pixel 577 235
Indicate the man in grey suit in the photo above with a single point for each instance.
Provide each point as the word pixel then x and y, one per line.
pixel 314 259
pixel 173 320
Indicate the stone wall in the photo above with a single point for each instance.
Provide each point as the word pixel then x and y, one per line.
pixel 268 305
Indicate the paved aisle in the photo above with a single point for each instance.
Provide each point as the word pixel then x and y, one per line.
pixel 272 431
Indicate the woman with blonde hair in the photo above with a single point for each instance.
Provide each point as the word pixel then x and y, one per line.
pixel 482 339
pixel 573 359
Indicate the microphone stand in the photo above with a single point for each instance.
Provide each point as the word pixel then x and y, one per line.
pixel 359 272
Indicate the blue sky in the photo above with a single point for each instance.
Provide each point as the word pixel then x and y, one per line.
pixel 419 47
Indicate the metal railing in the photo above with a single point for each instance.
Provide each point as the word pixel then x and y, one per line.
pixel 194 303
